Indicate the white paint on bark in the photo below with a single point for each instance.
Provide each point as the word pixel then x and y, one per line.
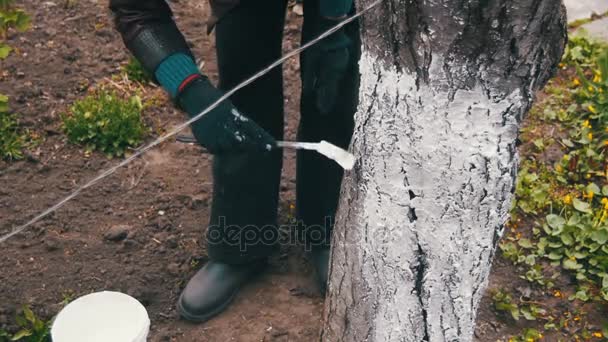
pixel 433 188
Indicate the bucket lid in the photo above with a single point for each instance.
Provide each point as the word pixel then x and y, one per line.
pixel 102 317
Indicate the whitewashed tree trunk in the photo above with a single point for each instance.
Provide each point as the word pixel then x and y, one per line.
pixel 444 87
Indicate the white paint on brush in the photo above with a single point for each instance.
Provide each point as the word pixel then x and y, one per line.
pixel 345 159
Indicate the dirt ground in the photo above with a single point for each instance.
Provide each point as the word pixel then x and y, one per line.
pixel 162 200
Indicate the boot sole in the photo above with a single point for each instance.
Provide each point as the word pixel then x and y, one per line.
pixel 207 316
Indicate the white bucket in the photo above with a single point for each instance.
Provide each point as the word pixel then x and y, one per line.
pixel 102 317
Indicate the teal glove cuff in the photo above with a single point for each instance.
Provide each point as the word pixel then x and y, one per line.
pixel 172 72
pixel 335 8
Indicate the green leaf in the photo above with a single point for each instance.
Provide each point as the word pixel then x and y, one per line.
pixel 539 143
pixel 567 239
pixel 592 187
pixel 605 190
pixel 554 256
pixel 581 206
pixel 5 50
pixel 525 243
pixel 515 313
pixel 22 23
pixel 21 321
pixel 21 334
pixel 570 264
pixel 527 314
pixel 600 236
pixel 29 314
pixel 568 143
pixel 555 221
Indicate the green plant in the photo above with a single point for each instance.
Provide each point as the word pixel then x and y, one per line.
pixel 135 71
pixel 528 335
pixel 31 328
pixel 503 302
pixel 10 18
pixel 106 122
pixel 11 139
pixel 568 199
pixel 581 50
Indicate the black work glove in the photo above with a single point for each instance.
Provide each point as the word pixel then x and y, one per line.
pixel 224 129
pixel 325 66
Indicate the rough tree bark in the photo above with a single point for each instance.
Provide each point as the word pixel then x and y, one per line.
pixel 444 87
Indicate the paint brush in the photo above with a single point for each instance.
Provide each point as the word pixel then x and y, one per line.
pixel 331 151
pixel 344 158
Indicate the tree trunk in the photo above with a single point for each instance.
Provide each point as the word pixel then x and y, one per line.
pixel 444 87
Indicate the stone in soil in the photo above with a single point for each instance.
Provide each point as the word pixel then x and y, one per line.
pixel 117 233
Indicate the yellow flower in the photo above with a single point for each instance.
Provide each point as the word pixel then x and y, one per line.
pixel 590 136
pixel 559 168
pixel 589 195
pixel 557 293
pixel 576 82
pixel 597 78
pixel 604 200
pixel 586 124
pixel 592 109
pixel 567 199
pixel 591 89
pixel 605 142
pixel 598 334
pixel 588 176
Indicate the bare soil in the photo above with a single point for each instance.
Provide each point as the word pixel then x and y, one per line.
pixel 161 201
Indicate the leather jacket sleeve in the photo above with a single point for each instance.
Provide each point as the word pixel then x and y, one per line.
pixel 148 30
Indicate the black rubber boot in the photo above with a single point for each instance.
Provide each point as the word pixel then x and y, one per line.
pixel 213 287
pixel 320 260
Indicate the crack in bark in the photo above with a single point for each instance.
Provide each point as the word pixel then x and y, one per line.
pixel 420 271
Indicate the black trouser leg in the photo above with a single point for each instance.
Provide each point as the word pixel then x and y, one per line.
pixel 318 178
pixel 245 192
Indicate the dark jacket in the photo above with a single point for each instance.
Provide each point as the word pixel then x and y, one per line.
pixel 130 16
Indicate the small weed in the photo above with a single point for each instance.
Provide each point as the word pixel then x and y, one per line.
pixel 528 335
pixel 135 71
pixel 68 296
pixel 503 302
pixel 10 18
pixel 31 328
pixel 106 122
pixel 12 141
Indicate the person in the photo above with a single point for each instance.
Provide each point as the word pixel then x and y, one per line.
pixel 241 132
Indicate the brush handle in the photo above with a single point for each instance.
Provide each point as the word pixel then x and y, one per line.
pixel 297 145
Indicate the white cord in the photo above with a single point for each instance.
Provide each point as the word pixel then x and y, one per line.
pixel 182 126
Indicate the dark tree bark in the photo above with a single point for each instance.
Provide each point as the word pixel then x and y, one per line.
pixel 444 87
